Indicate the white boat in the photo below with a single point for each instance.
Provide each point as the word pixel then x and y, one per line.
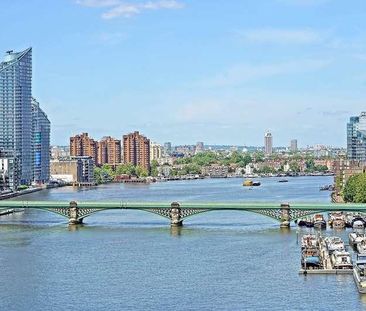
pixel 359 273
pixel 361 246
pixel 358 224
pixel 355 238
pixel 319 222
pixel 337 220
pixel 309 241
pixel 341 260
pixel 334 244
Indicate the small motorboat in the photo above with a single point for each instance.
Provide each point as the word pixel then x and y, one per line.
pixel 355 238
pixel 251 183
pixel 341 260
pixel 283 180
pixel 361 246
pixel 337 220
pixel 358 222
pixel 334 244
pixel 359 273
pixel 305 222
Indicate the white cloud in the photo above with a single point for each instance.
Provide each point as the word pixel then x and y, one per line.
pixel 281 36
pixel 130 9
pixel 119 8
pixel 244 72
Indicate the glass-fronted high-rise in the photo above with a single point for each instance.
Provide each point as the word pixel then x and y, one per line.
pixel 356 138
pixel 41 127
pixel 16 109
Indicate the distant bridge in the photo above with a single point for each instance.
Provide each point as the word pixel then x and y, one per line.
pixel 177 212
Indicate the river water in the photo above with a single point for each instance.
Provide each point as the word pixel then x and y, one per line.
pixel 133 260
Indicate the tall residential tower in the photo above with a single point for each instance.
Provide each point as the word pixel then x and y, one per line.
pixel 84 146
pixel 268 143
pixel 136 150
pixel 16 109
pixel 109 151
pixel 356 137
pixel 41 128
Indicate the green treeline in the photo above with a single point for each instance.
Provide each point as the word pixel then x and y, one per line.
pixel 355 189
pixel 208 157
pixel 106 173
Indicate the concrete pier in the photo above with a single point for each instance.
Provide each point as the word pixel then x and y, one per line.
pixel 285 216
pixel 74 214
pixel 176 215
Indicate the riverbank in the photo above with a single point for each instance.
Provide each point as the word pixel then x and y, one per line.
pixel 19 193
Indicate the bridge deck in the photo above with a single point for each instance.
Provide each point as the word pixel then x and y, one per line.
pixel 183 205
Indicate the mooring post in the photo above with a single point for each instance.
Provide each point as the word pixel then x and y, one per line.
pixel 74 214
pixel 285 215
pixel 175 215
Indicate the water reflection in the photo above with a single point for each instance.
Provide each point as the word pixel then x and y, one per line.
pixel 175 230
pixel 285 230
pixel 75 227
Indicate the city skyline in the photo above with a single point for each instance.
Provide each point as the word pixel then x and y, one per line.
pixel 205 77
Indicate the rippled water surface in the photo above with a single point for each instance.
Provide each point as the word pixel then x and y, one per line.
pixel 133 260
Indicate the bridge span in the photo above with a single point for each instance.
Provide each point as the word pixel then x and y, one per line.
pixel 176 212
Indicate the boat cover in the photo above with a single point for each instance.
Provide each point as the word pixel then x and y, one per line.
pixel 312 260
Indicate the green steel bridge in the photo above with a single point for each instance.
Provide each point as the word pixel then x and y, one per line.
pixel 176 212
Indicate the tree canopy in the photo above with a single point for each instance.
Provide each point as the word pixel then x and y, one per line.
pixel 355 189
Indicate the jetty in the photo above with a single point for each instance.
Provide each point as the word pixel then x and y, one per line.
pixel 332 257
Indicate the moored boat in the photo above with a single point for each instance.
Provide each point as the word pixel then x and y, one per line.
pixel 334 244
pixel 359 273
pixel 310 258
pixel 361 246
pixel 358 222
pixel 309 241
pixel 355 238
pixel 305 222
pixel 341 260
pixel 319 221
pixel 337 220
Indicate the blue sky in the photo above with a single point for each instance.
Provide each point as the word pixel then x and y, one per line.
pixel 217 71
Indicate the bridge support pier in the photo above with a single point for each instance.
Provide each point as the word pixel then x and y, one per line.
pixel 175 215
pixel 74 214
pixel 285 216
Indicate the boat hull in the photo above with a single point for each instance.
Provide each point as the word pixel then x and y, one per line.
pixel 362 290
pixel 320 224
